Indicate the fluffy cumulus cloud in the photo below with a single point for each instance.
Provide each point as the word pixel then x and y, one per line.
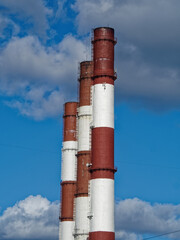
pixel 147 53
pixel 37 218
pixel 37 76
pixel 32 218
pixel 135 217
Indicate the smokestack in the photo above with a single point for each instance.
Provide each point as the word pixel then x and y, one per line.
pixel 102 170
pixel 84 152
pixel 68 174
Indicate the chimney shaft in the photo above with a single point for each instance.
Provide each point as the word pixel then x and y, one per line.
pixel 102 170
pixel 84 151
pixel 68 172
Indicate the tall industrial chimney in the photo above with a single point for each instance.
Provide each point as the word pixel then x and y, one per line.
pixel 84 152
pixel 68 173
pixel 102 170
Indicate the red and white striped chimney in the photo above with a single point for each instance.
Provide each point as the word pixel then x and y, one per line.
pixel 102 170
pixel 68 172
pixel 84 151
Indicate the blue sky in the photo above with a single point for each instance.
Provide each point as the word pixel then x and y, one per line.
pixel 41 45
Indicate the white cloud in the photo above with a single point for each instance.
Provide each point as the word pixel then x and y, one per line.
pixel 122 235
pixel 60 10
pixel 140 21
pixel 39 107
pixel 37 218
pixel 144 85
pixel 147 58
pixel 147 53
pixel 6 22
pixel 139 217
pixel 32 218
pixel 37 78
pixel 31 12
